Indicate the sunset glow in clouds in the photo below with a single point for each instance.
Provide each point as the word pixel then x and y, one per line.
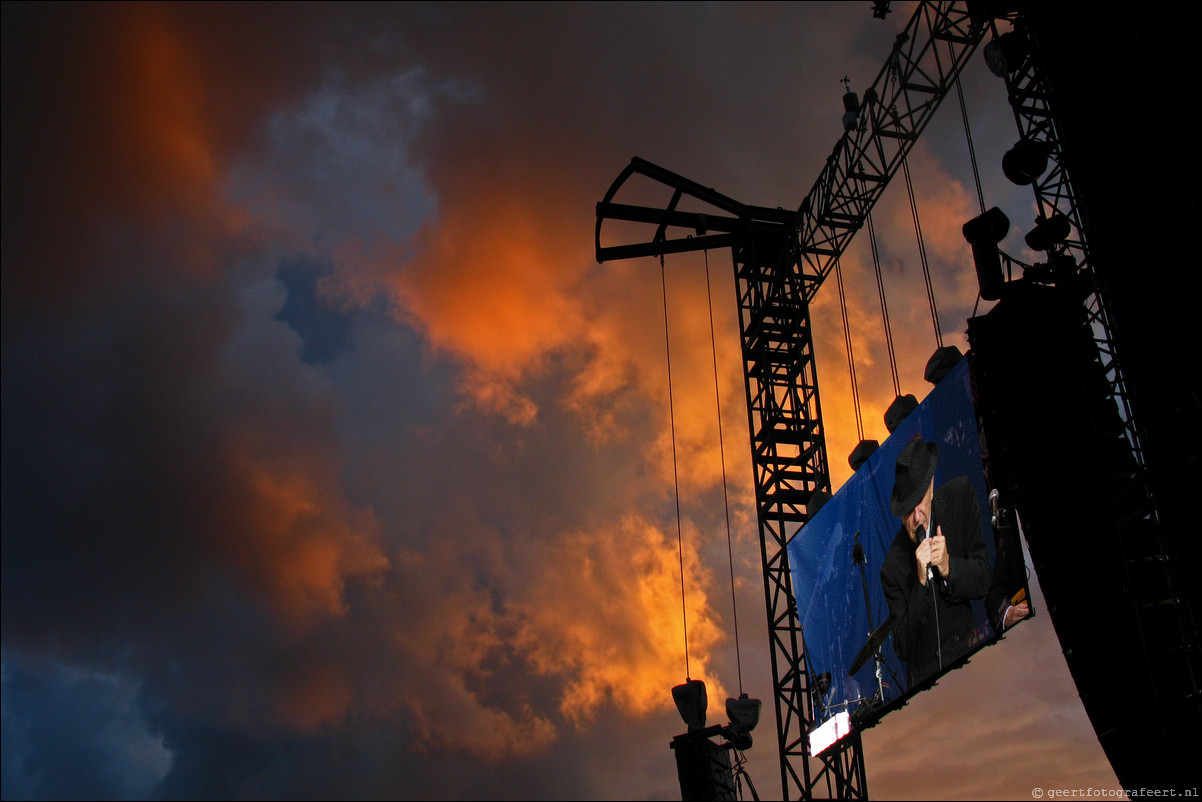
pixel 334 465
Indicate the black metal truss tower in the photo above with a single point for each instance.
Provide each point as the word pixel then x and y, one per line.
pixel 780 259
pixel 1049 79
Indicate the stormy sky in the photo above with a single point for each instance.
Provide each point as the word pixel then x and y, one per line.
pixel 335 466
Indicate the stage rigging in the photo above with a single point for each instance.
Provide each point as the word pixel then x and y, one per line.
pixel 781 258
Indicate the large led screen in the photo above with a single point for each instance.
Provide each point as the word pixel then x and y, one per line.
pixel 873 632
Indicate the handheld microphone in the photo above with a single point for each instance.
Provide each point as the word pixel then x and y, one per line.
pixel 920 534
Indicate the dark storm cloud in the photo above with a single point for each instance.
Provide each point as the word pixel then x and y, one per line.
pixel 161 519
pixel 71 734
pixel 427 549
pixel 322 327
pixel 174 506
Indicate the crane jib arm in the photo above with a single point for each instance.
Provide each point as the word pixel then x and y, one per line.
pixel 925 61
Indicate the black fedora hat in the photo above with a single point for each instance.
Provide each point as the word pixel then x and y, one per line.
pixel 912 475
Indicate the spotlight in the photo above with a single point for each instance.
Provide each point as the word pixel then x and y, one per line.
pixel 1026 161
pixel 1060 270
pixel 861 453
pixel 983 233
pixel 1048 232
pixel 744 714
pixel 744 711
pixel 851 109
pixel 691 701
pixel 941 363
pixel 897 412
pixel 1005 53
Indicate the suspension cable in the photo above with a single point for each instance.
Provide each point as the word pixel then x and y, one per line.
pixel 880 288
pixel 730 552
pixel 675 478
pixel 972 153
pixel 851 362
pixel 922 253
pixel 922 250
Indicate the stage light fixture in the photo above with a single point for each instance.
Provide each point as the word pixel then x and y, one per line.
pixel 1005 53
pixel 897 412
pixel 744 711
pixel 1060 270
pixel 744 714
pixel 691 701
pixel 1025 162
pixel 851 110
pixel 1048 232
pixel 941 362
pixel 860 454
pixel 983 233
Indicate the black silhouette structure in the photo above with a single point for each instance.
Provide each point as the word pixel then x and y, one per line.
pixel 1091 417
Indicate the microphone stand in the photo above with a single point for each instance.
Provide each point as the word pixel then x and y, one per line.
pixel 858 560
pixel 932 577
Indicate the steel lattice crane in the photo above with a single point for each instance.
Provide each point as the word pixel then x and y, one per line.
pixel 781 257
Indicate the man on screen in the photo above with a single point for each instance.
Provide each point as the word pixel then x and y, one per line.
pixel 936 566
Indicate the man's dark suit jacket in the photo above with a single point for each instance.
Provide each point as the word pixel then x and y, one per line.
pixel 912 607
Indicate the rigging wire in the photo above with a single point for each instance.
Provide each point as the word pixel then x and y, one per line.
pixel 722 456
pixel 880 288
pixel 851 362
pixel 684 620
pixel 922 250
pixel 972 153
pixel 922 253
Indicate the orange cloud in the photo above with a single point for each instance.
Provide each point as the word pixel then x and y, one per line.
pixel 297 542
pixel 312 694
pixel 501 277
pixel 591 619
pixel 164 110
pixel 455 720
pixel 492 281
pixel 283 526
pixel 604 614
